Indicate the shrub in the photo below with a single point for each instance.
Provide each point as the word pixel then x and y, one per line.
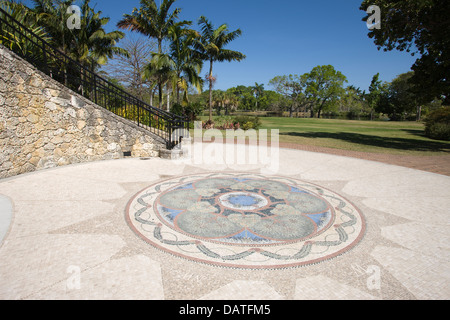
pixel 248 122
pixel 230 123
pixel 223 122
pixel 208 124
pixel 192 110
pixel 437 124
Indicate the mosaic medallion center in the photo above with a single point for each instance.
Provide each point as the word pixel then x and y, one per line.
pixel 245 220
pixel 244 201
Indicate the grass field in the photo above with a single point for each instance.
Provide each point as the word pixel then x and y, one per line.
pixel 403 138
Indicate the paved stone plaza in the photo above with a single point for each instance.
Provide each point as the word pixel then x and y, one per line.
pixel 321 227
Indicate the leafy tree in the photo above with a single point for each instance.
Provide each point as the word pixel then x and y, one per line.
pixel 248 99
pixel 420 27
pixel 373 97
pixel 292 88
pixel 352 102
pixel 403 96
pixel 245 96
pixel 324 85
pixel 269 100
pixel 384 104
pixel 211 47
pixel 154 22
pixel 396 99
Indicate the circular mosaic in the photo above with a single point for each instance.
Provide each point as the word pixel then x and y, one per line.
pixel 245 220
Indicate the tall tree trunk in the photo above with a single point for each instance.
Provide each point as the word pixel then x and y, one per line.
pixel 160 92
pixel 168 98
pixel 320 109
pixel 419 113
pixel 178 89
pixel 210 89
pixel 160 77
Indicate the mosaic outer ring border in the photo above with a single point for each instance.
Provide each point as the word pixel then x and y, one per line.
pixel 213 239
pixel 355 241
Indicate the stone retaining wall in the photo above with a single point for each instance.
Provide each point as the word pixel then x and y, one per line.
pixel 43 124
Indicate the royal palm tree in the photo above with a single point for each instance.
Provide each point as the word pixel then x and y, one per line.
pixel 258 90
pixel 161 68
pixel 187 64
pixel 153 22
pixel 180 64
pixel 52 16
pixel 211 47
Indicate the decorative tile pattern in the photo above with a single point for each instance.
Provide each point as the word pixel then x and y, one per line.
pixel 245 220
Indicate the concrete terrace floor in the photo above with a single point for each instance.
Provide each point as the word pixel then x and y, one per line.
pixel 67 236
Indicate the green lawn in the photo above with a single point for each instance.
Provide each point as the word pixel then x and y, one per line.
pixel 404 138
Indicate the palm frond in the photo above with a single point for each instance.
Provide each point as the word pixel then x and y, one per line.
pixel 230 55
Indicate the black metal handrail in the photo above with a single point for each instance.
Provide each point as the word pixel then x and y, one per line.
pixel 81 79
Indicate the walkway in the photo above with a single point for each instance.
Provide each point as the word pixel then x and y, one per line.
pixel 91 231
pixel 436 164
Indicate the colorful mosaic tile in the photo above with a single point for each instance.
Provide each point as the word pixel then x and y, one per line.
pixel 245 220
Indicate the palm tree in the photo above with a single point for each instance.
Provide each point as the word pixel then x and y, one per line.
pixel 231 102
pixel 161 68
pixel 258 90
pixel 187 65
pixel 180 65
pixel 211 47
pixel 153 22
pixel 218 100
pixel 14 40
pixel 52 16
pixel 91 45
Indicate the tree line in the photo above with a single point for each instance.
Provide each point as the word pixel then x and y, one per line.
pixel 175 69
pixel 167 59
pixel 322 93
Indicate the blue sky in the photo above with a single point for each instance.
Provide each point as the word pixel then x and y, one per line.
pixel 287 37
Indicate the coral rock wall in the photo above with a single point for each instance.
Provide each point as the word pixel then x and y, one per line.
pixel 43 124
